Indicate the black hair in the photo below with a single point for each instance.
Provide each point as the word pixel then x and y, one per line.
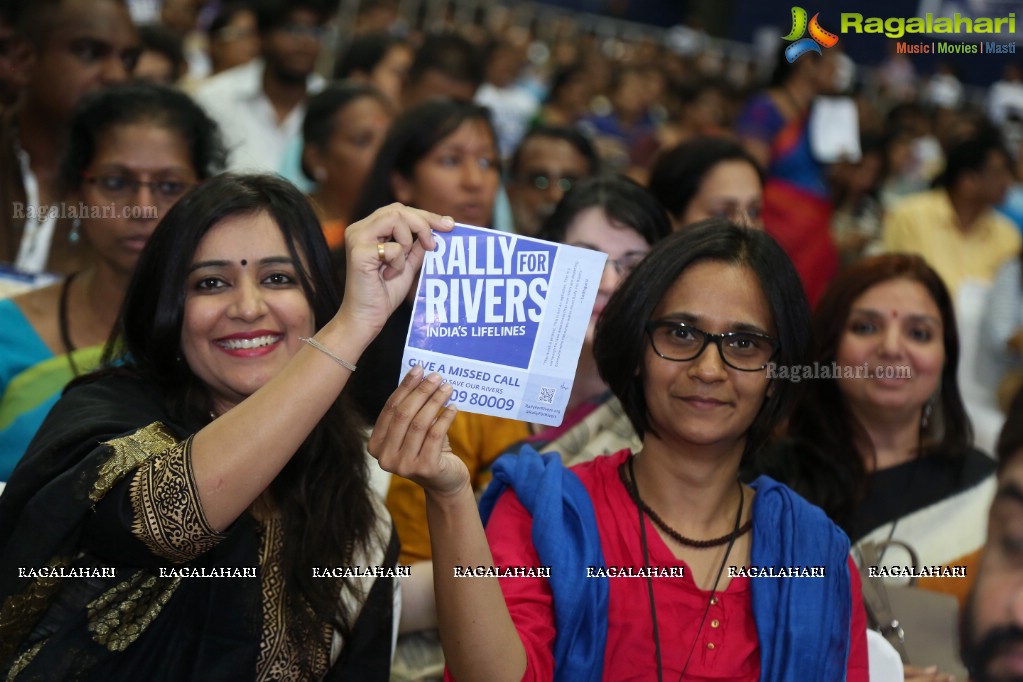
pixel 323 492
pixel 320 119
pixel 1010 440
pixel 562 78
pixel 130 103
pixel 690 91
pixel 621 342
pixel 410 138
pixel 783 68
pixel 226 14
pixel 901 115
pixel 619 73
pixel 450 54
pixel 579 142
pixel 971 154
pixel 160 39
pixel 10 11
pixel 364 53
pixel 624 201
pixel 273 14
pixel 678 173
pixel 35 18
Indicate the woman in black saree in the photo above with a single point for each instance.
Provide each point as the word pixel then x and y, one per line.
pixel 166 522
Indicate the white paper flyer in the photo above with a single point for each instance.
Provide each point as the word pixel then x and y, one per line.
pixel 502 318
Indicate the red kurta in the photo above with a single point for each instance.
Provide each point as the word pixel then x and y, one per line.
pixel 727 648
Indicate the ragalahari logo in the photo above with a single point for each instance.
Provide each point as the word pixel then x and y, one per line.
pixel 818 36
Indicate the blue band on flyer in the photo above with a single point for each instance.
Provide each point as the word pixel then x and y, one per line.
pixel 502 318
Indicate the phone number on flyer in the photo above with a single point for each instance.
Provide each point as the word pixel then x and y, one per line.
pixel 482 400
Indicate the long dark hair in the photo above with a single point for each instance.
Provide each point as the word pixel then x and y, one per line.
pixel 620 339
pixel 822 421
pixel 409 140
pixel 323 492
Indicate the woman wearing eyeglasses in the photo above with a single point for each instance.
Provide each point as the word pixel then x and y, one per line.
pixel 133 150
pixel 684 344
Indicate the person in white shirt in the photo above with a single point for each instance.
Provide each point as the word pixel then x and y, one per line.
pixel 260 105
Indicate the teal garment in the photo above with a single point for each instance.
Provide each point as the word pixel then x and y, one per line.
pixel 291 166
pixel 20 349
pixel 32 378
pixel 503 219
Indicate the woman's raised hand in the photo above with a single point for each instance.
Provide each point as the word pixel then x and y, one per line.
pixel 384 252
pixel 410 436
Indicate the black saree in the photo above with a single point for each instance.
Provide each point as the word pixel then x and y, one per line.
pixel 141 604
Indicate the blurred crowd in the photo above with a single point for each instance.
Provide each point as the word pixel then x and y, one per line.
pixel 109 105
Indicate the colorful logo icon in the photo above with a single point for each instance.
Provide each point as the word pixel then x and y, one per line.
pixel 818 36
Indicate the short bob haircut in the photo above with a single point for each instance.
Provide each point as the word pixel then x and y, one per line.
pixel 410 138
pixel 624 202
pixel 141 103
pixel 621 341
pixel 678 174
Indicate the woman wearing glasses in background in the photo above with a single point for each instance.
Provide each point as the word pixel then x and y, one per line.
pixel 132 152
pixel 684 344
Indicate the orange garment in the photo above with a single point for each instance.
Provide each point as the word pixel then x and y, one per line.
pixel 477 439
pixel 334 231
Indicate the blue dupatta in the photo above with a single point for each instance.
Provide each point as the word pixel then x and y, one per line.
pixel 802 623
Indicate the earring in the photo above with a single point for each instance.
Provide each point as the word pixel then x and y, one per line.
pixel 925 417
pixel 75 235
pixel 320 173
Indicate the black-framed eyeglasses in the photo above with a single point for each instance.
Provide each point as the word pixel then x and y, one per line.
pixel 543 181
pixel 679 342
pixel 118 186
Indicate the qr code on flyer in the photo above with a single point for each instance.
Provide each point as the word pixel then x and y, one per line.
pixel 546 395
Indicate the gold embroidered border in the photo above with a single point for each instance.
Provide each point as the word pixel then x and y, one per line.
pixel 20 612
pixel 280 655
pixel 22 661
pixel 129 452
pixel 168 512
pixel 120 615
